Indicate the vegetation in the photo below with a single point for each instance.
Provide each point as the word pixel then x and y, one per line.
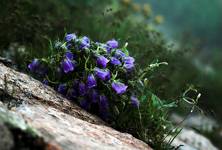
pixel 29 29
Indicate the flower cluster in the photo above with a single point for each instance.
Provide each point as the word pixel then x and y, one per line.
pixel 95 75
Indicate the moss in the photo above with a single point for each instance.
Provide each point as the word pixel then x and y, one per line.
pixel 17 134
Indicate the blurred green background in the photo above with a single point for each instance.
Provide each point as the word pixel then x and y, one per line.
pixel 197 25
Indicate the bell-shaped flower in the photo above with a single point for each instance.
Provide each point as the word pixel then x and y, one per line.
pixel 69 55
pixel 103 74
pixel 119 54
pixel 67 65
pixel 33 66
pixel 128 63
pixel 128 60
pixel 119 87
pixel 102 61
pixel 129 67
pixel 84 43
pixel 114 61
pixel 134 101
pixel 82 88
pixel 91 81
pixel 112 43
pixel 62 88
pixel 70 37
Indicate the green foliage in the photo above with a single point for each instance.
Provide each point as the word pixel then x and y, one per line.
pixel 147 122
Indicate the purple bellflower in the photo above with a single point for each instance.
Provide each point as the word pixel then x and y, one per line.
pixel 134 101
pixel 67 65
pixel 91 81
pixel 102 61
pixel 119 87
pixel 34 65
pixel 85 43
pixel 70 37
pixel 111 44
pixel 128 63
pixel 114 61
pixel 62 88
pixel 82 88
pixel 69 55
pixel 119 54
pixel 102 74
pixel 128 60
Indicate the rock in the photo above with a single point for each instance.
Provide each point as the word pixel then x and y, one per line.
pixel 6 141
pixel 61 124
pixel 16 133
pixel 197 121
pixel 191 140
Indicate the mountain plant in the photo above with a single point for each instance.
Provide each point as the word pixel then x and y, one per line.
pixel 105 80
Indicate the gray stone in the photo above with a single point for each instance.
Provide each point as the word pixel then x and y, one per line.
pixel 192 141
pixel 197 121
pixel 6 138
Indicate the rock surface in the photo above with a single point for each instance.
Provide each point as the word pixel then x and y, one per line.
pixel 190 137
pixel 191 140
pixel 60 122
pixel 197 121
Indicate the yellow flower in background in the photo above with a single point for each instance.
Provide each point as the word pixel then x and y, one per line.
pixel 159 19
pixel 126 2
pixel 147 10
pixel 136 7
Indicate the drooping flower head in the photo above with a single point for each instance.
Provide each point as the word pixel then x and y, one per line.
pixel 82 88
pixel 134 101
pixel 34 65
pixel 102 74
pixel 129 67
pixel 70 37
pixel 62 88
pixel 69 55
pixel 128 63
pixel 114 61
pixel 85 43
pixel 102 61
pixel 111 44
pixel 67 65
pixel 119 87
pixel 91 81
pixel 128 60
pixel 119 54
